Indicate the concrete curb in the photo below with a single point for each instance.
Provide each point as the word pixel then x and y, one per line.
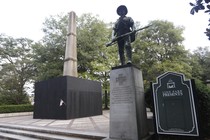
pixel 4 115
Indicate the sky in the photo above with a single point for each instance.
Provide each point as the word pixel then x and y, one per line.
pixel 24 18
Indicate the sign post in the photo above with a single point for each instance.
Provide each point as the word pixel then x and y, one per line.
pixel 175 112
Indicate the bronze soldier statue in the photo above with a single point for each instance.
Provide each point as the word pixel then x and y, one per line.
pixel 122 26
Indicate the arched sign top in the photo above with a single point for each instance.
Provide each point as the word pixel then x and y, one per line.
pixel 162 76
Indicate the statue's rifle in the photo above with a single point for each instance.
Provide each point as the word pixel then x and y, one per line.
pixel 126 34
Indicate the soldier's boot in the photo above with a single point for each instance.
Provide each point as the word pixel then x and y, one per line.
pixel 122 60
pixel 129 54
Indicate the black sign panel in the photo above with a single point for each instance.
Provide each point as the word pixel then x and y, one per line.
pixel 175 112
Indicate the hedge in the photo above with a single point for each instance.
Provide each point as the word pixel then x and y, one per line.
pixel 16 108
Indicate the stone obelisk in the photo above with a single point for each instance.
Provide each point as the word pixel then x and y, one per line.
pixel 67 96
pixel 70 62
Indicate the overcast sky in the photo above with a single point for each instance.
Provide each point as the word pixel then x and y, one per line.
pixel 24 18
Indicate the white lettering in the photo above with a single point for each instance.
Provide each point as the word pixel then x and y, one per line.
pixel 172 93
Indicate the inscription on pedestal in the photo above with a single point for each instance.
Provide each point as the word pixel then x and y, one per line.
pixel 120 79
pixel 121 95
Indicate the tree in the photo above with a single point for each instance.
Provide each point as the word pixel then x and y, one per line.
pixel 159 49
pixel 92 36
pixel 201 65
pixel 202 5
pixel 49 53
pixel 16 69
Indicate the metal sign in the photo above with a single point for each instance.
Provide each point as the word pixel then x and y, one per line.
pixel 174 105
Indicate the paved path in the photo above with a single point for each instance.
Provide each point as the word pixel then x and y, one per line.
pixel 95 124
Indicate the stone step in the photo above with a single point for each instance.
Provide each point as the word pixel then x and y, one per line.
pixel 8 136
pixel 37 135
pixel 45 133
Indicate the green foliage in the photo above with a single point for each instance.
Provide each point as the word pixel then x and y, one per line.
pixel 16 69
pixel 13 98
pixel 48 61
pixel 93 56
pixel 159 49
pixel 203 97
pixel 201 64
pixel 16 108
pixel 49 53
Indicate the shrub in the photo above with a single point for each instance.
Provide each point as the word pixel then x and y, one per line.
pixel 203 98
pixel 16 108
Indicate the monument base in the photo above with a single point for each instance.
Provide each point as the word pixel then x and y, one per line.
pixel 67 97
pixel 128 119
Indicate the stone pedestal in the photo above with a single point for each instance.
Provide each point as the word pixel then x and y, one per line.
pixel 128 120
pixel 67 97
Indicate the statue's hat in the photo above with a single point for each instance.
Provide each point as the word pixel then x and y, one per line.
pixel 121 8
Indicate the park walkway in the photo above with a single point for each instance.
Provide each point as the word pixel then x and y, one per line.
pixel 86 127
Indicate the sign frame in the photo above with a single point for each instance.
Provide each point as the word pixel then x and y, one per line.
pixel 177 94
